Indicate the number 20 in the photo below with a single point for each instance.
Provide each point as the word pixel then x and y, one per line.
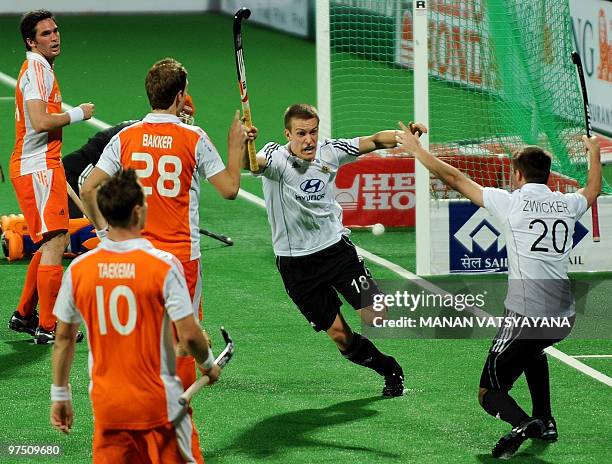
pixel 164 175
pixel 557 225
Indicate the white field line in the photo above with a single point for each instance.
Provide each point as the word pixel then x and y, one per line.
pixel 406 274
pixel 592 356
pixel 8 80
pixel 426 285
pixel 7 98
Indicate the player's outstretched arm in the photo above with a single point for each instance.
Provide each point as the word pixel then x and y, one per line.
pixel 592 189
pixel 196 341
pixel 448 174
pixel 382 139
pixel 45 122
pixel 61 415
pixel 385 139
pixel 88 197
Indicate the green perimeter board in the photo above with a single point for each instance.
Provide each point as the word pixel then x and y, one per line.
pixel 287 397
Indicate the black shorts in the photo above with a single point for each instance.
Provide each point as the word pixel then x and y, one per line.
pixel 513 349
pixel 313 280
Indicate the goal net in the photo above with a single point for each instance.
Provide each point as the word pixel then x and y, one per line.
pixel 499 76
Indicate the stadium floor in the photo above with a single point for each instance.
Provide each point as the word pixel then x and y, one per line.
pixel 287 397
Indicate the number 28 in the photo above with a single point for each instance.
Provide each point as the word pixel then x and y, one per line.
pixel 164 174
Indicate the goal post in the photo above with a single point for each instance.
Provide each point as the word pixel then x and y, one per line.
pixel 421 114
pixel 323 68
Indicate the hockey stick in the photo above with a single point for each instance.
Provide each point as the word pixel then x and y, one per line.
pixel 222 238
pixel 587 117
pixel 244 13
pixel 221 361
pixel 74 197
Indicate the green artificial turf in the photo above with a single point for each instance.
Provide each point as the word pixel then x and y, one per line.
pixel 287 396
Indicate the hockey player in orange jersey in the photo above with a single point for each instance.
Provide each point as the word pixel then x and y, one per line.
pixel 128 294
pixel 169 158
pixel 36 171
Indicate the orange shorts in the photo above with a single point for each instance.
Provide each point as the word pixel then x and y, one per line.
pixel 165 444
pixel 193 276
pixel 43 199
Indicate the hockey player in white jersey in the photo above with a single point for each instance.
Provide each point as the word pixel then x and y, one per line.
pixel 538 225
pixel 314 255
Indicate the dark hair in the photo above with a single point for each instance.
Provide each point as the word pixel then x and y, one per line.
pixel 300 111
pixel 533 162
pixel 28 24
pixel 118 196
pixel 164 81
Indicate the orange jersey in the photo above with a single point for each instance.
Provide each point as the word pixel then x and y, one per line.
pixel 128 294
pixel 169 158
pixel 35 151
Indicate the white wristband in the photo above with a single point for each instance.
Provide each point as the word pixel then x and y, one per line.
pixel 102 233
pixel 61 393
pixel 76 114
pixel 210 360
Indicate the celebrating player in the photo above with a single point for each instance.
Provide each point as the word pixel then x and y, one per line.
pixel 127 292
pixel 314 255
pixel 169 157
pixel 36 171
pixel 532 216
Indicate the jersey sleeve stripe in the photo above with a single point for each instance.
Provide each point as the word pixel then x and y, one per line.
pixel 345 147
pixel 40 80
pixel 268 151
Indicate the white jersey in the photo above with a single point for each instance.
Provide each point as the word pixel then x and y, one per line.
pixel 538 226
pixel 300 196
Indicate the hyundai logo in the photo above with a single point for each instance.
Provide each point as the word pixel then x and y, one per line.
pixel 312 185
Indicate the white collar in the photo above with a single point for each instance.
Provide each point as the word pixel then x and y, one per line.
pixel 38 57
pixel 161 117
pixel 533 187
pixel 126 245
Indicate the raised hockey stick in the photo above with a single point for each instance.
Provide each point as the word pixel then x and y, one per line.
pixel 244 13
pixel 587 118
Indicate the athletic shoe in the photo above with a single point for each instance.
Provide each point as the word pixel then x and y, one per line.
pixel 43 337
pixel 394 381
pixel 27 324
pixel 550 430
pixel 510 443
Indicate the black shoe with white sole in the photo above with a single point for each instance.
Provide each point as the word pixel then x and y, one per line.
pixel 394 380
pixel 550 430
pixel 44 337
pixel 27 324
pixel 510 443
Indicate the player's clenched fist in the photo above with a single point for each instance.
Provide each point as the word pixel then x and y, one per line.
pixel 592 144
pixel 88 110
